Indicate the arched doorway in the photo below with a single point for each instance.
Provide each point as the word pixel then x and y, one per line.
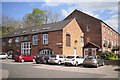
pixel 45 51
pixel 10 53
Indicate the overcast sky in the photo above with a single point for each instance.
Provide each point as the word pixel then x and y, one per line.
pixel 104 10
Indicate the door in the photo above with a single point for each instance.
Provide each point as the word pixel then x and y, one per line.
pixel 74 51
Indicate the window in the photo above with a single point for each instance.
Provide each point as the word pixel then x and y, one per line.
pixel 45 38
pixel 17 41
pixel 68 40
pixel 82 39
pixel 111 33
pixel 112 43
pixel 104 29
pixel 115 36
pixel 25 48
pixel 3 43
pixel 25 38
pixel 10 41
pixel 45 51
pixel 108 32
pixel 34 39
pixel 87 28
pixel 115 44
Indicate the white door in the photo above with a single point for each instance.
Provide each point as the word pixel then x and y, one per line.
pixel 74 51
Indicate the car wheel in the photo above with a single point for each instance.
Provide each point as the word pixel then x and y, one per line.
pixel 84 65
pixel 97 65
pixel 22 60
pixel 59 62
pixel 76 64
pixel 33 60
pixel 6 58
pixel 103 63
pixel 66 64
pixel 45 61
pixel 37 62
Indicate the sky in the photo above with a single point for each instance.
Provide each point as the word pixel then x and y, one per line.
pixel 106 11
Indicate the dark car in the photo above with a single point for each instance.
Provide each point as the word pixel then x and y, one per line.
pixel 23 57
pixel 93 61
pixel 42 58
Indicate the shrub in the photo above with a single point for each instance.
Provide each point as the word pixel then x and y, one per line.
pixel 109 56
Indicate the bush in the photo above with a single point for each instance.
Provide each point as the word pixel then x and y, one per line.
pixel 109 56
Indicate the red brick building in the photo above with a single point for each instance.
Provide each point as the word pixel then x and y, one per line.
pixel 64 37
pixel 79 33
pixel 98 36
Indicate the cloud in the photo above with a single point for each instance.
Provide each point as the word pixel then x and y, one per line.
pixel 113 22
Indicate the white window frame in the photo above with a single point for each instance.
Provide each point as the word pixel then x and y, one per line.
pixel 45 38
pixel 17 39
pixel 104 28
pixel 87 28
pixel 35 39
pixel 82 39
pixel 108 31
pixel 45 51
pixel 25 48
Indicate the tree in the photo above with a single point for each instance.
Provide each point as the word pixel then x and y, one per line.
pixel 37 17
pixel 9 25
pixel 52 17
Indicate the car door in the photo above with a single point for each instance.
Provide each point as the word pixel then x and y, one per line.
pixel 61 57
pixel 98 60
pixel 30 57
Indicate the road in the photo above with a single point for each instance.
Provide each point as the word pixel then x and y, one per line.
pixel 11 69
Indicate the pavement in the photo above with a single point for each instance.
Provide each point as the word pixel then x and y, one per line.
pixel 11 69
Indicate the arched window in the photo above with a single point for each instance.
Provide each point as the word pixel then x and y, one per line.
pixel 45 51
pixel 68 40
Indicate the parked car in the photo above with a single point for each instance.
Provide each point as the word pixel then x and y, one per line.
pixel 93 61
pixel 3 55
pixel 23 58
pixel 57 59
pixel 74 60
pixel 42 58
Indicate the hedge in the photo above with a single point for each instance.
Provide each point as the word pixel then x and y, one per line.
pixel 110 56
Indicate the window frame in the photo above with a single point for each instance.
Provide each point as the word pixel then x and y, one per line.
pixel 35 39
pixel 82 39
pixel 45 38
pixel 68 43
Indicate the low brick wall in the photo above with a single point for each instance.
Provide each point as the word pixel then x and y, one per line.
pixel 112 62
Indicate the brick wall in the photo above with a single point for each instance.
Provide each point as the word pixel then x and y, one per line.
pixel 84 20
pixel 75 33
pixel 109 34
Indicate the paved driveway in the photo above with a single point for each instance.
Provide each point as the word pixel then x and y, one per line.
pixel 13 69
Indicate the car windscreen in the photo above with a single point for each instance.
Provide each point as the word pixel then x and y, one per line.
pixel 79 57
pixel 70 57
pixel 61 56
pixel 53 56
pixel 2 54
pixel 90 57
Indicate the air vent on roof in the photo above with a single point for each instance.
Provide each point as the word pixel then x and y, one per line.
pixel 46 28
pixel 33 30
pixel 15 33
pixel 37 29
pixel 24 31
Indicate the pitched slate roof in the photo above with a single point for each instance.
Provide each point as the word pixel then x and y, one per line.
pixel 92 17
pixel 40 29
pixel 91 43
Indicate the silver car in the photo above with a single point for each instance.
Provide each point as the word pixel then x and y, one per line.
pixel 56 58
pixel 93 61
